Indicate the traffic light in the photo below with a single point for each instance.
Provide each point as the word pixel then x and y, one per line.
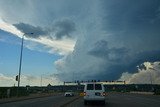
pixel 77 81
pixel 82 81
pixel 16 77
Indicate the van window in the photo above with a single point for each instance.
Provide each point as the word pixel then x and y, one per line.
pixel 89 86
pixel 98 87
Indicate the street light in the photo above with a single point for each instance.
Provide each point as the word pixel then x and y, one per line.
pixel 43 77
pixel 151 75
pixel 20 64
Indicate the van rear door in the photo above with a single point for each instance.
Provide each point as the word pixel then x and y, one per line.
pixel 98 90
pixel 90 91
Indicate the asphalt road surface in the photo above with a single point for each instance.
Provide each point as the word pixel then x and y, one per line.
pixel 112 100
pixel 122 100
pixel 52 101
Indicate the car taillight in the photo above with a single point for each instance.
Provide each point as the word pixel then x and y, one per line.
pixel 103 94
pixel 84 93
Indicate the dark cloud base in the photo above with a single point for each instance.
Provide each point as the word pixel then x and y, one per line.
pixel 114 72
pixel 27 28
pixel 60 29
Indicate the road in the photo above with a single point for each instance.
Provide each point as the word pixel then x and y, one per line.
pixel 112 100
pixel 52 101
pixel 122 100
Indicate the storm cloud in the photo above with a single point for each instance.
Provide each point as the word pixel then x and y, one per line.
pixel 58 30
pixel 26 28
pixel 120 35
pixel 64 28
pixel 111 37
pixel 101 50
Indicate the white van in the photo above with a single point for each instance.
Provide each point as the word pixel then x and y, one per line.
pixel 94 92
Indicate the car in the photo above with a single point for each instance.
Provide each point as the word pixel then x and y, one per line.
pixel 94 92
pixel 69 94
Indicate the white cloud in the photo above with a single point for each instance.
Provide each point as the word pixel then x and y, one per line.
pixel 43 80
pixel 6 80
pixel 62 47
pixel 9 28
pixel 151 75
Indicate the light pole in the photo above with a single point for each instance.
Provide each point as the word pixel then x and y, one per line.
pixel 151 75
pixel 41 80
pixel 153 70
pixel 151 78
pixel 20 64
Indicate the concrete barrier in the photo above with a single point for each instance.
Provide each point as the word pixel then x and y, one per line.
pixel 33 96
pixel 146 93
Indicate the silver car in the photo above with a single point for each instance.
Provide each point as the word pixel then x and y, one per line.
pixel 69 94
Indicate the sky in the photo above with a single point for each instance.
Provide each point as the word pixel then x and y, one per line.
pixel 79 40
